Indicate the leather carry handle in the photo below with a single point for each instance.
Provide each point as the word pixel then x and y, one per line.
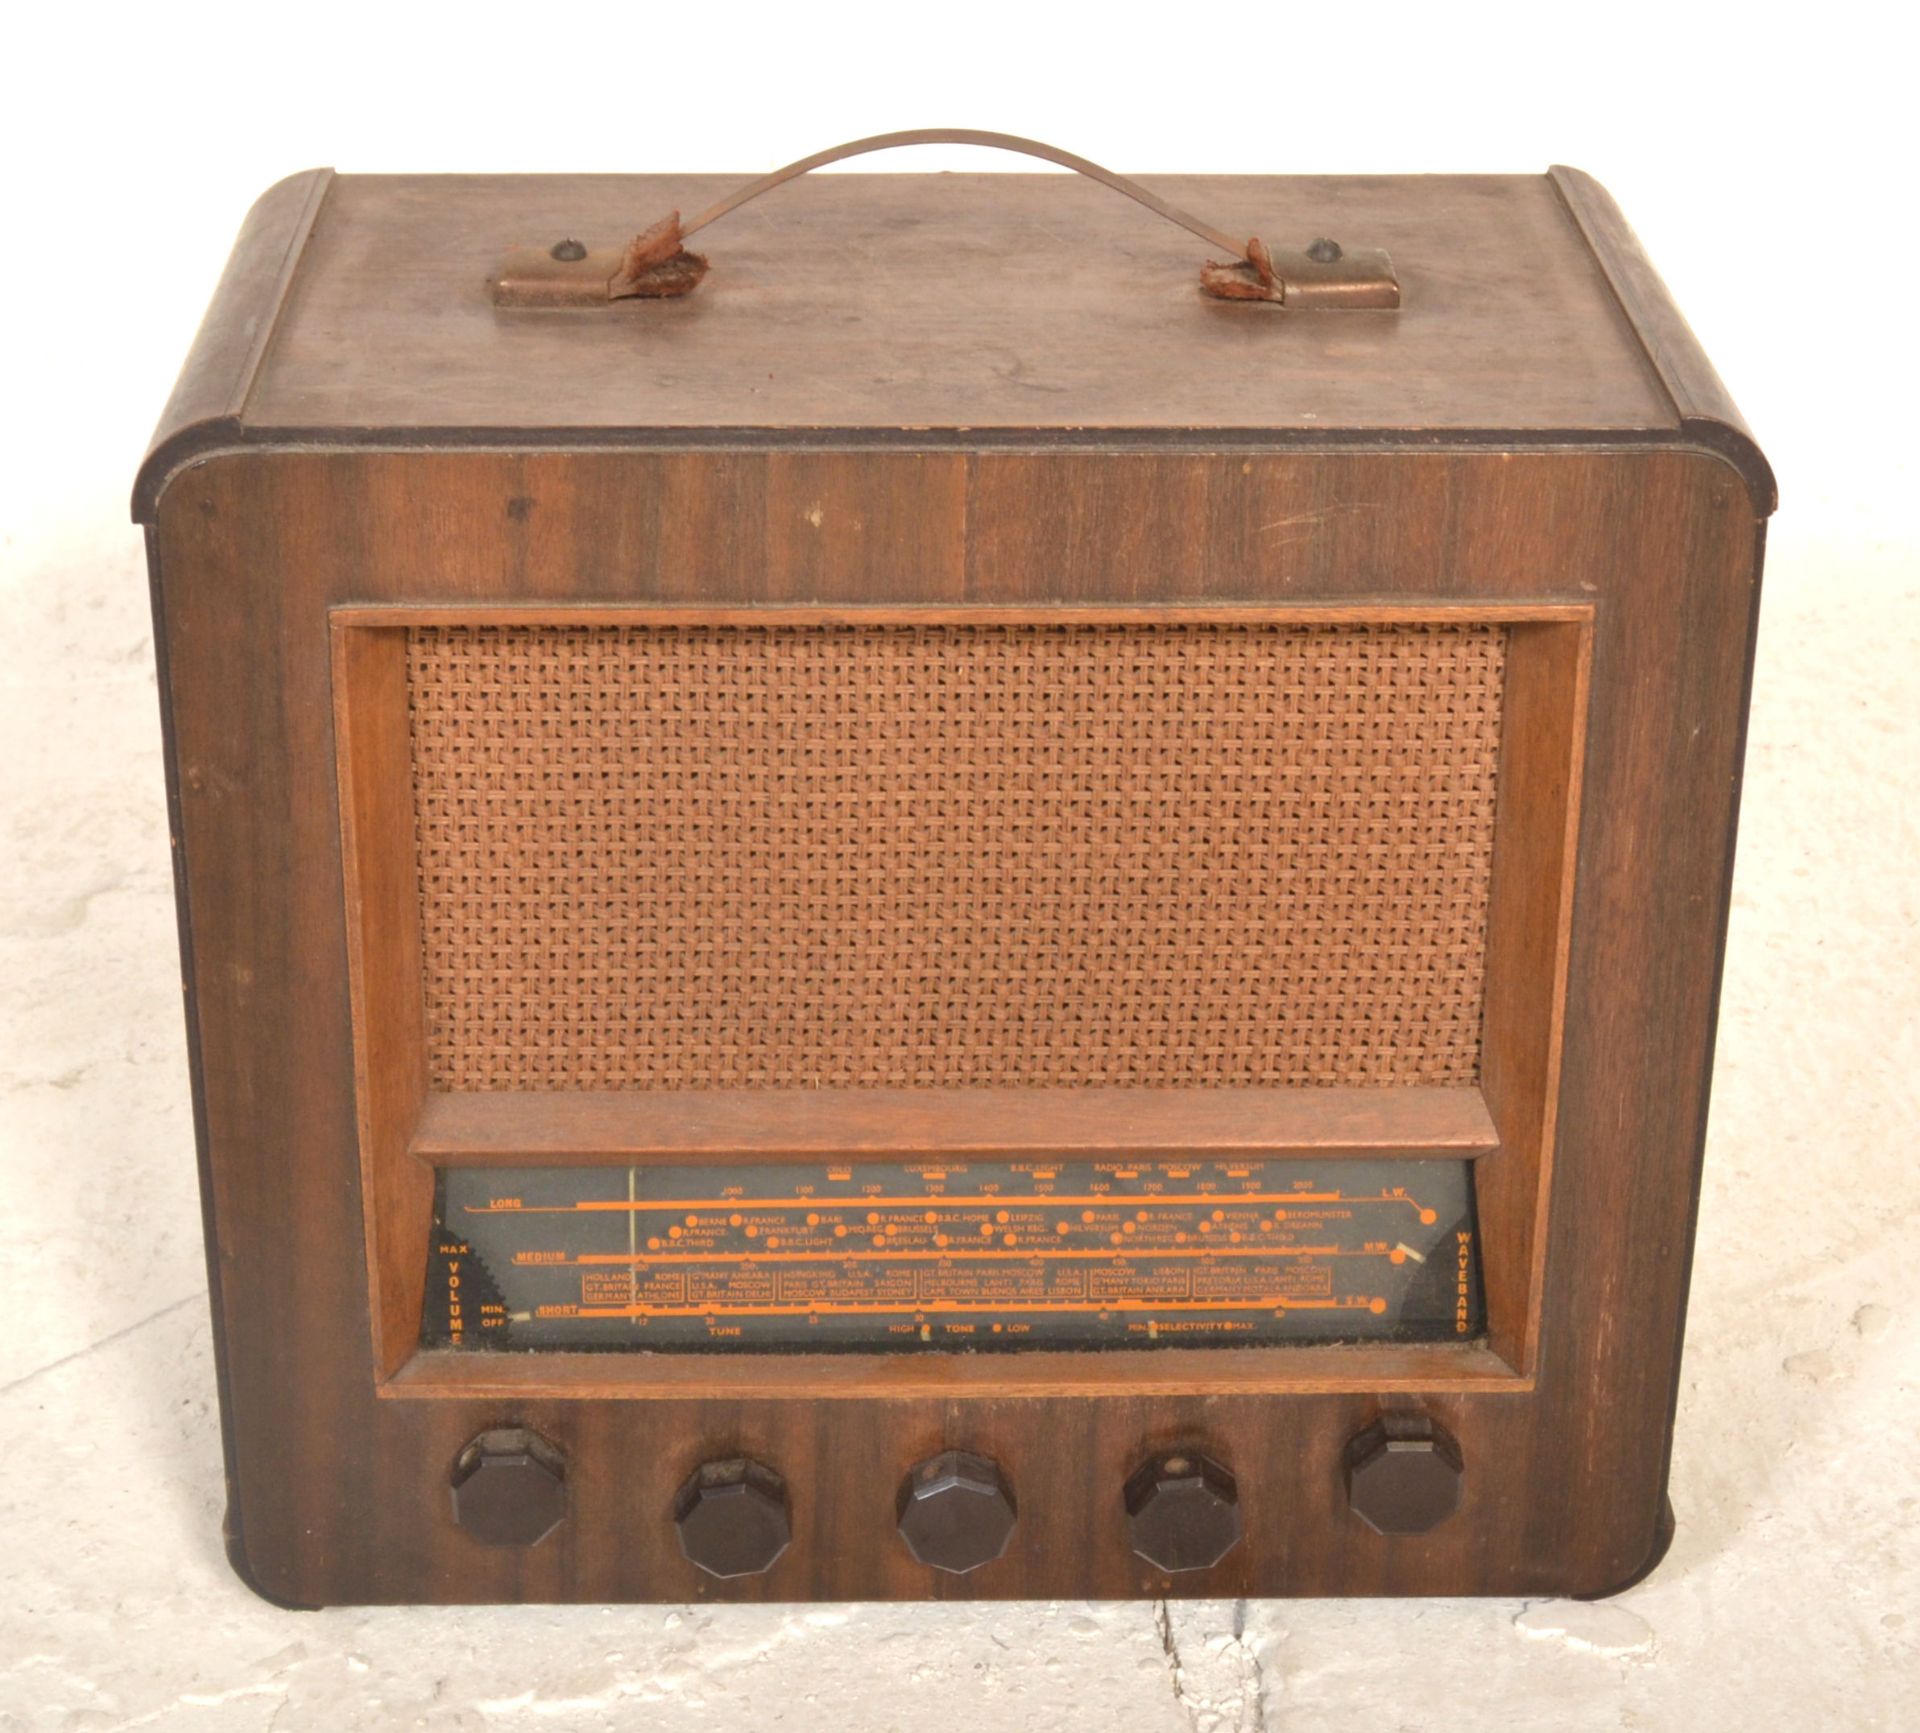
pixel 986 140
pixel 656 264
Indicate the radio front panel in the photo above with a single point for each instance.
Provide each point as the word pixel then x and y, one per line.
pixel 1099 981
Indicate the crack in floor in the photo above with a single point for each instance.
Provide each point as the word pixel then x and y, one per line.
pixel 107 1341
pixel 1163 1629
pixel 1238 1699
pixel 1258 1701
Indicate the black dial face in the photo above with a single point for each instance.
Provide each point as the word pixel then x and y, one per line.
pixel 867 1256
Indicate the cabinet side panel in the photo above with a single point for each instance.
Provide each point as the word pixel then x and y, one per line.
pixel 208 398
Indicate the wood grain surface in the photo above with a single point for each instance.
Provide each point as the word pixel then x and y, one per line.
pixel 974 300
pixel 340 1495
pixel 949 312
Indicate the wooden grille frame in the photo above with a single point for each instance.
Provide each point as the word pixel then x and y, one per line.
pixel 1503 1121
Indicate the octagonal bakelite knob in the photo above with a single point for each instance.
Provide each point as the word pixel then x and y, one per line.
pixel 1403 1474
pixel 1183 1511
pixel 733 1518
pixel 956 1511
pixel 509 1487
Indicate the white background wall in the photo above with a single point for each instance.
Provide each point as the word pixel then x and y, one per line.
pixel 1766 159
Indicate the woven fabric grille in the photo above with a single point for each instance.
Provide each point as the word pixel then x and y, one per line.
pixel 707 857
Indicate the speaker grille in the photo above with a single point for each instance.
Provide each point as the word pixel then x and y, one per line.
pixel 723 856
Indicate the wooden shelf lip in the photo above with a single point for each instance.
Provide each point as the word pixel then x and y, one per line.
pixel 1189 1372
pixel 918 1124
pixel 1385 612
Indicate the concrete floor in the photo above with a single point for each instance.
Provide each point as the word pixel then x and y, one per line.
pixel 1788 1599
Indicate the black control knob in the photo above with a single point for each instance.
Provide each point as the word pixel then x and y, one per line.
pixel 733 1518
pixel 509 1487
pixel 1183 1511
pixel 956 1511
pixel 1403 1474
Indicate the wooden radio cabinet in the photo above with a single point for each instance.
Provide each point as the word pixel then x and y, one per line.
pixel 940 917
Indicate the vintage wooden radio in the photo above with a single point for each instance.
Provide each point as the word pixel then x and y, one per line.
pixel 949 915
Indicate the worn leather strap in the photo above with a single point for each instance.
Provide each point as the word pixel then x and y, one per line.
pixel 988 140
pixel 656 264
